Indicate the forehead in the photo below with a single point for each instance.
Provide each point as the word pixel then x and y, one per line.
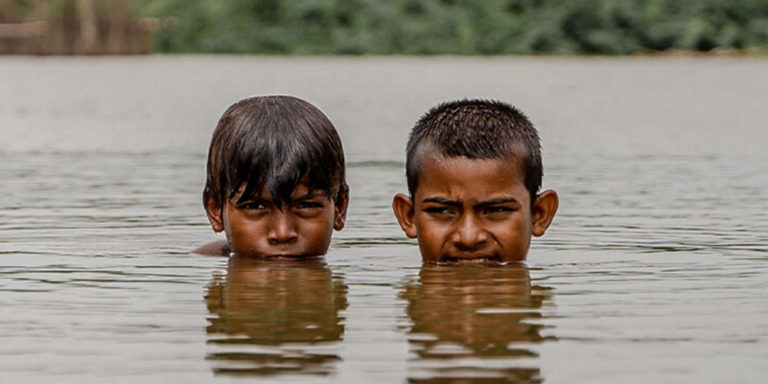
pixel 464 178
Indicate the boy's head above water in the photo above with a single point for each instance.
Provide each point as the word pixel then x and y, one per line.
pixel 275 179
pixel 474 171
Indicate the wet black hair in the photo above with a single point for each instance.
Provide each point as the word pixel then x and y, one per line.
pixel 274 142
pixel 477 129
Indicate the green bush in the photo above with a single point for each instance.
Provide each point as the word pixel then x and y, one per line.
pixel 458 26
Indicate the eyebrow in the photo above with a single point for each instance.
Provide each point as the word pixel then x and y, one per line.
pixel 500 200
pixel 440 200
pixel 443 201
pixel 310 195
pixel 238 203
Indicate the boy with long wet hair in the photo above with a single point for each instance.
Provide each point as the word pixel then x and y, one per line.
pixel 275 181
pixel 474 172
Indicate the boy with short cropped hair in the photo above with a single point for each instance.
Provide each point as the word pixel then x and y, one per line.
pixel 474 172
pixel 275 180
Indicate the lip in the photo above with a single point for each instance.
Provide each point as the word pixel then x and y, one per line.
pixel 470 258
pixel 286 253
pixel 285 250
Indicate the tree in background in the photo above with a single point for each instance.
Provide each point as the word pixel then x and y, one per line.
pixel 383 26
pixel 73 27
pixel 460 26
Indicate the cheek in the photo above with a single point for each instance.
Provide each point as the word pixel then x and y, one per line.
pixel 237 234
pixel 323 226
pixel 244 234
pixel 226 223
pixel 515 233
pixel 318 232
pixel 234 223
pixel 431 234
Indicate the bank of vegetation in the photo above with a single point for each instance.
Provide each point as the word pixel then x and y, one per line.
pixel 440 26
pixel 74 27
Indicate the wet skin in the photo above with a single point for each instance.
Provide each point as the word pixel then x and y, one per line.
pixel 473 210
pixel 301 227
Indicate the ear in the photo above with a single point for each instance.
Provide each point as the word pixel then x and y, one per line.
pixel 342 202
pixel 543 212
pixel 213 210
pixel 403 207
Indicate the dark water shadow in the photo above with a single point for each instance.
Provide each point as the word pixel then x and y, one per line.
pixel 474 324
pixel 272 318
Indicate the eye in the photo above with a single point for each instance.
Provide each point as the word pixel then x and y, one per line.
pixel 309 205
pixel 498 210
pixel 439 211
pixel 252 205
pixel 308 208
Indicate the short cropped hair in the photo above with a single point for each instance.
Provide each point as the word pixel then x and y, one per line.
pixel 477 129
pixel 273 142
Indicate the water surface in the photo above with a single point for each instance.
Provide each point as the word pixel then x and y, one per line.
pixel 654 269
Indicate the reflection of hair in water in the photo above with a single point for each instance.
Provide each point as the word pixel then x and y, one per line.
pixel 467 321
pixel 269 317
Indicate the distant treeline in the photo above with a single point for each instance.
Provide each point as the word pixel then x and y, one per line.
pixel 460 26
pixel 73 27
pixel 384 26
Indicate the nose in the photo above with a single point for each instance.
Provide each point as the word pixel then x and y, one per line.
pixel 469 234
pixel 282 229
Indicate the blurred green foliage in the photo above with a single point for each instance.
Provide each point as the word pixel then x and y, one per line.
pixel 451 26
pixel 459 26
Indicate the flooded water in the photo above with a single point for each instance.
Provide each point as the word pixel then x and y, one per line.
pixel 655 269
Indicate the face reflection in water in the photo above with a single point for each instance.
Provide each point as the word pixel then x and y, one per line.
pixel 269 317
pixel 466 322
